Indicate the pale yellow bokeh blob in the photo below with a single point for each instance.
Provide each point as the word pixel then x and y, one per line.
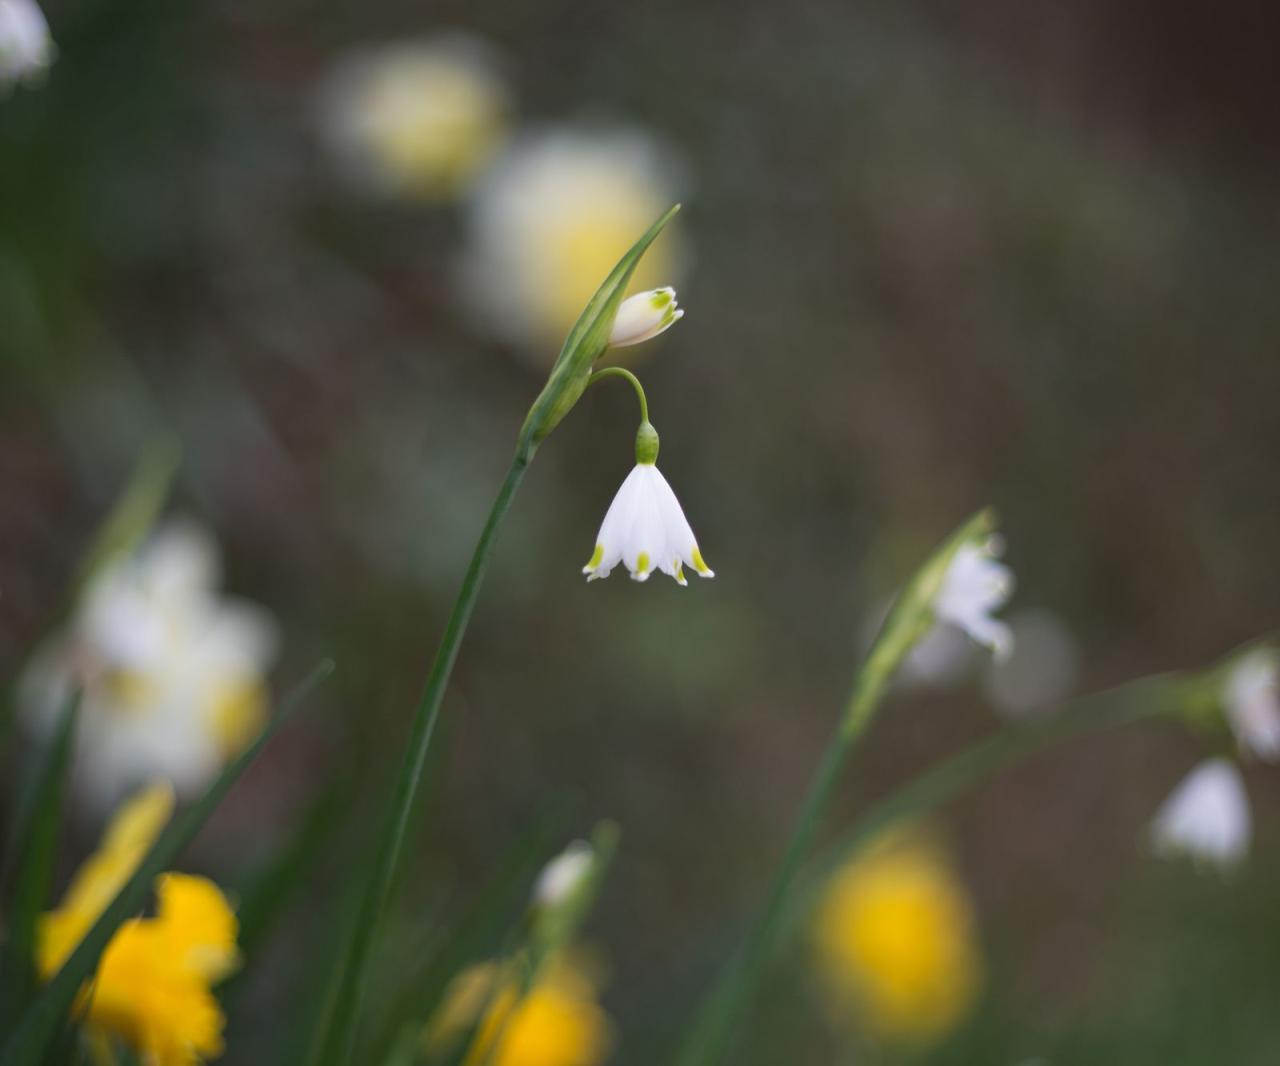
pixel 421 119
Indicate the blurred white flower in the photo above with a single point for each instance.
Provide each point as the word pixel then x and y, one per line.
pixel 1252 702
pixel 418 118
pixel 1040 670
pixel 644 316
pixel 563 875
pixel 26 49
pixel 1206 817
pixel 974 586
pixel 172 674
pixel 644 528
pixel 940 658
pixel 553 216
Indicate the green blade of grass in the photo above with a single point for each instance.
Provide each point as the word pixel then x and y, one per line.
pixel 40 1025
pixel 33 851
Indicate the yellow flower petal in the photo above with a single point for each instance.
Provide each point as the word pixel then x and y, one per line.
pixel 198 924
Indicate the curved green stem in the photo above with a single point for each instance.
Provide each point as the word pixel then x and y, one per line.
pixel 623 372
pixel 1146 698
pixel 337 1040
pixel 909 619
pixel 1157 696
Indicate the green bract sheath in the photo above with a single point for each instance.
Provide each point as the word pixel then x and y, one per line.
pixel 585 344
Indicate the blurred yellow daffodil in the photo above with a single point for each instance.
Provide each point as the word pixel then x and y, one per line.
pixel 152 988
pixel 558 1022
pixel 894 939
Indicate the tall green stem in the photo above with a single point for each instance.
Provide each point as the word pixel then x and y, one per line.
pixel 338 1042
pixel 715 1028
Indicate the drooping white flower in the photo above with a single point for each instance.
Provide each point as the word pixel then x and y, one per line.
pixel 1252 702
pixel 172 674
pixel 552 216
pixel 1207 816
pixel 26 48
pixel 645 529
pixel 644 316
pixel 563 875
pixel 974 586
pixel 1039 671
pixel 418 118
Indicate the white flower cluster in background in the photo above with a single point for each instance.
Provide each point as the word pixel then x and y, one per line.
pixel 172 674
pixel 26 48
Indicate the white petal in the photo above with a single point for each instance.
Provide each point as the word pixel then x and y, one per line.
pixel 647 538
pixel 681 540
pixel 644 316
pixel 1207 816
pixel 26 48
pixel 1252 702
pixel 181 563
pixel 615 528
pixel 975 585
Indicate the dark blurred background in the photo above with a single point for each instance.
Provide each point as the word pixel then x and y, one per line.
pixel 939 255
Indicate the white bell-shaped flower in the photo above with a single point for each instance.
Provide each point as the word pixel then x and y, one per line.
pixel 644 316
pixel 645 528
pixel 974 586
pixel 1206 817
pixel 1252 703
pixel 26 49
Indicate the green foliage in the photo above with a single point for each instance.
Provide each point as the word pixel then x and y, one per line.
pixel 33 848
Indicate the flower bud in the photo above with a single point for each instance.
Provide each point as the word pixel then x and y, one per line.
pixel 564 875
pixel 643 316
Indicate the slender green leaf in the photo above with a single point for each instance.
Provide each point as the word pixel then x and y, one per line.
pixel 135 511
pixel 263 895
pixel 34 844
pixel 40 1026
